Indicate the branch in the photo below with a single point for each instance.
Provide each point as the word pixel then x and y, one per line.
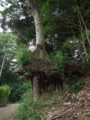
pixel 53 118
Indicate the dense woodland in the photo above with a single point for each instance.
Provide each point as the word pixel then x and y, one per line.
pixel 46 52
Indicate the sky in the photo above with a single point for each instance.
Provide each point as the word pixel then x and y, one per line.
pixel 1 9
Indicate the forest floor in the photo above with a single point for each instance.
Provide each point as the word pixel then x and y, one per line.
pixel 7 112
pixel 70 106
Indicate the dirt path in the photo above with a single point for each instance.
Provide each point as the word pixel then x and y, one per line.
pixel 6 113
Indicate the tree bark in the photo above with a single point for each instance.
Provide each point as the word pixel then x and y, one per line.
pixel 81 30
pixel 39 42
pixel 84 26
pixel 35 87
pixel 38 26
pixel 3 62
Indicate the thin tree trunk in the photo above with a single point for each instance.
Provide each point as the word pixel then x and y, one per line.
pixel 82 19
pixel 3 63
pixel 81 30
pixel 32 88
pixel 84 26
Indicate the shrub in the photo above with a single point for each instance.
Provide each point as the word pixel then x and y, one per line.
pixel 74 84
pixel 59 61
pixel 30 110
pixel 22 55
pixel 5 91
pixel 17 91
pixel 27 110
pixel 86 62
pixel 4 94
pixel 76 87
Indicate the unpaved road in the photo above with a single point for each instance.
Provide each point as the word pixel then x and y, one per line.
pixel 7 112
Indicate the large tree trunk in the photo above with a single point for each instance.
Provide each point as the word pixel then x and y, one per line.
pixel 38 26
pixel 39 42
pixel 35 87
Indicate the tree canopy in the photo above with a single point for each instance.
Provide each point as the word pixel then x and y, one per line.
pixel 61 20
pixel 8 46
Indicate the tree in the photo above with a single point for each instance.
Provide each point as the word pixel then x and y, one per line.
pixel 7 48
pixel 67 13
pixel 61 20
pixel 39 42
pixel 38 26
pixel 21 24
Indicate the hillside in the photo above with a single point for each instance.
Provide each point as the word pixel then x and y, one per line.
pixel 71 106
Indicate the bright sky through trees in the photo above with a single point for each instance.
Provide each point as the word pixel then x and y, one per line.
pixel 1 9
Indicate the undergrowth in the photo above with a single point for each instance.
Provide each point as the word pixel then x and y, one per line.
pixel 30 110
pixel 74 84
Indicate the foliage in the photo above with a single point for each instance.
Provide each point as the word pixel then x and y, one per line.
pixel 74 84
pixel 21 23
pixel 17 90
pixel 86 62
pixel 7 47
pixel 72 44
pixel 76 87
pixel 29 110
pixel 19 85
pixel 55 95
pixel 5 91
pixel 76 43
pixel 8 43
pixel 22 54
pixel 60 60
pixel 51 12
pixel 60 20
